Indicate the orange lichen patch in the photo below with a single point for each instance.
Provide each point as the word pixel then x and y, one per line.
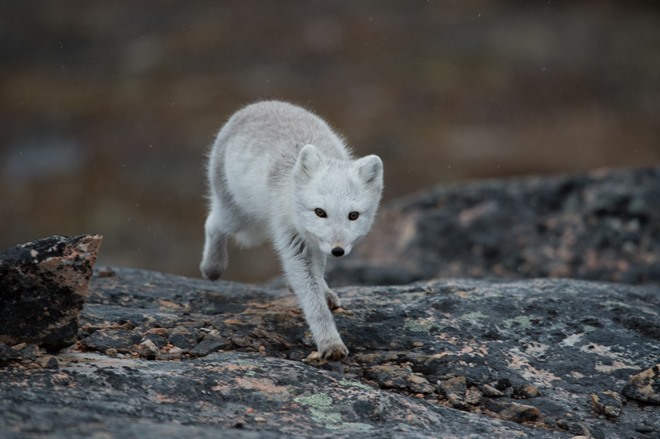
pixel 168 304
pixel 163 399
pixel 609 368
pixel 539 377
pixel 264 385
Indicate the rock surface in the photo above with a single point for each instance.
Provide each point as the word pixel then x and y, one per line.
pixel 604 225
pixel 165 356
pixel 43 287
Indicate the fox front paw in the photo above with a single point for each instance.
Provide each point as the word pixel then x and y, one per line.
pixel 333 351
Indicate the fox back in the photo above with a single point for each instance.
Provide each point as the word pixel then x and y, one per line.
pixel 278 163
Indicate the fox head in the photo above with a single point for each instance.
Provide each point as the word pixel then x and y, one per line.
pixel 335 200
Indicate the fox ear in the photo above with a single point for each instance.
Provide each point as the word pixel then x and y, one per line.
pixel 370 169
pixel 308 163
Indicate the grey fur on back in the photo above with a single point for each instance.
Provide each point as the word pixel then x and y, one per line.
pixel 280 129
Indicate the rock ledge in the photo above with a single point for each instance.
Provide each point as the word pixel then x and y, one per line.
pixel 160 355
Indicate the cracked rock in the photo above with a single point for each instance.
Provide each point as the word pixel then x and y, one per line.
pixel 607 403
pixel 44 285
pixel 512 411
pixel 645 386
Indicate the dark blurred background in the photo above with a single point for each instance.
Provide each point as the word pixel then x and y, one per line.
pixel 108 107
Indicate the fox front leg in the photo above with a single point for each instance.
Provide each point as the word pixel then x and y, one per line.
pixel 311 290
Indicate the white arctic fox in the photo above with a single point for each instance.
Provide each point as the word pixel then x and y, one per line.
pixel 278 172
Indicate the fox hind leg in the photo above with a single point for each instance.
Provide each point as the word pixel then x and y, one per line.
pixel 214 258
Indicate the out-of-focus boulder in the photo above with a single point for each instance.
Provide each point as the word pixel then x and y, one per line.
pixel 603 225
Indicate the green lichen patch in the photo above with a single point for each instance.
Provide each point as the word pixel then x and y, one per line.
pixel 419 325
pixel 357 384
pixel 317 400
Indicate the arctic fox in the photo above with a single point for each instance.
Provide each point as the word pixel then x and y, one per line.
pixel 278 172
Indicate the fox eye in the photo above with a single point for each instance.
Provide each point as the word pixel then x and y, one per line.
pixel 353 216
pixel 320 213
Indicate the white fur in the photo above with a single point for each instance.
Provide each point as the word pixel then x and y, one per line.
pixel 271 166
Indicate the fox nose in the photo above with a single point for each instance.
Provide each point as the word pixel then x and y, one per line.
pixel 337 252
